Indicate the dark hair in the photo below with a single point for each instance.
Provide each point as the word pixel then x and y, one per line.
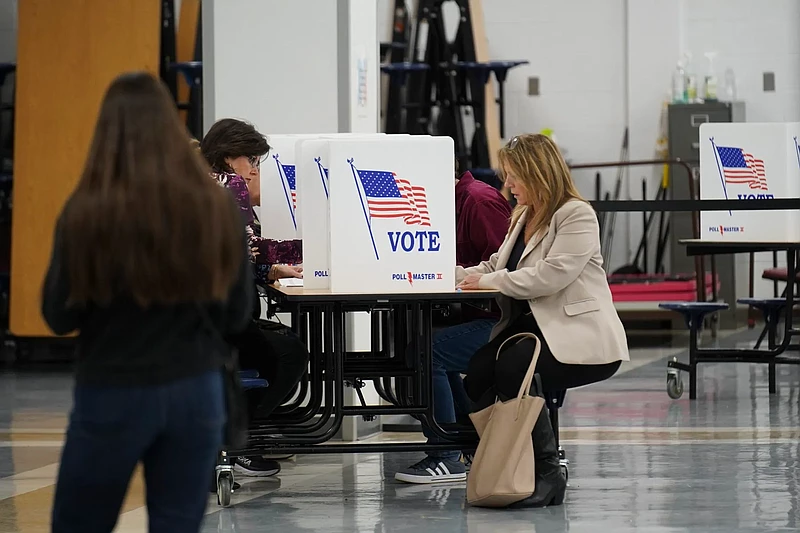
pixel 232 138
pixel 145 220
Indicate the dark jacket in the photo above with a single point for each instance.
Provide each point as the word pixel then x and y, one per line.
pixel 123 344
pixel 482 221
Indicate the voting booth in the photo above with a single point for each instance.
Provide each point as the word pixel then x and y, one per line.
pixel 281 213
pixel 311 159
pixel 744 161
pixel 392 215
pixel 377 212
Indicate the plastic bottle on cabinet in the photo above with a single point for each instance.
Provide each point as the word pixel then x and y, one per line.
pixel 691 80
pixel 711 79
pixel 729 88
pixel 679 84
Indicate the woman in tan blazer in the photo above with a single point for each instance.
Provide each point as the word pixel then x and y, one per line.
pixel 550 274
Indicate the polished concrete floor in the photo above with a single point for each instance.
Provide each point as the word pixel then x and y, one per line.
pixel 729 461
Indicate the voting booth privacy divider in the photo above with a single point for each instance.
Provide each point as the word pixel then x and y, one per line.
pixel 748 161
pixel 376 212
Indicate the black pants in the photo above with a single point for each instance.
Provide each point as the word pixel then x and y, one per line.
pixel 280 359
pixel 555 375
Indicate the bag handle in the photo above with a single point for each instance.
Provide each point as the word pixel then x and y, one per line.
pixel 528 379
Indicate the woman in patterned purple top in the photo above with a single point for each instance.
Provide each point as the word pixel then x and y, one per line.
pixel 234 150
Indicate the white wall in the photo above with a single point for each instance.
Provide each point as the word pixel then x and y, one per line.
pixel 8 53
pixel 8 30
pixel 751 37
pixel 300 60
pixel 285 94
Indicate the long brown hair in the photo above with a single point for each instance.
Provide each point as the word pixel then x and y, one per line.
pixel 544 175
pixel 145 220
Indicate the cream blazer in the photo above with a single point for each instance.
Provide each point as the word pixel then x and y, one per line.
pixel 561 276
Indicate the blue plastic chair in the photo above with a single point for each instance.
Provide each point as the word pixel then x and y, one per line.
pixel 251 380
pixel 694 314
pixel 254 383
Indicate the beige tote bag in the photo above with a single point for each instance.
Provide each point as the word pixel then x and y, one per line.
pixel 503 469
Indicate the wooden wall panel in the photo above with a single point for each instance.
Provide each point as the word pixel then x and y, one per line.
pixel 68 52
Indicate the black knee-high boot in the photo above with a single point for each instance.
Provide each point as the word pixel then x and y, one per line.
pixel 551 485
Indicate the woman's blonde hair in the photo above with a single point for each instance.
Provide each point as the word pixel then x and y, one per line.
pixel 541 171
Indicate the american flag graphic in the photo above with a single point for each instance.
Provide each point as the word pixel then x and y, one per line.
pixel 289 174
pixel 391 197
pixel 741 168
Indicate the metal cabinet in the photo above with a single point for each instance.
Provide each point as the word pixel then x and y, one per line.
pixel 684 122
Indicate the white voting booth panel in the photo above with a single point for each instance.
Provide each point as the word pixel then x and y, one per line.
pixel 746 162
pixel 280 204
pixel 392 214
pixel 279 216
pixel 311 157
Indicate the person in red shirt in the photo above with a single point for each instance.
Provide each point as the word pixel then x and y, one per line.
pixel 482 216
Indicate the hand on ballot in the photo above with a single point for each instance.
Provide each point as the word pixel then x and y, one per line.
pixel 470 282
pixel 287 271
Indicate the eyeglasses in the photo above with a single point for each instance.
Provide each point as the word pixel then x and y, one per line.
pixel 255 161
pixel 532 140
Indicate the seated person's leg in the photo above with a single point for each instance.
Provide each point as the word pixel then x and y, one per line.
pixel 250 346
pixel 452 349
pixel 290 359
pixel 279 359
pixel 555 376
pixel 481 368
pixel 461 401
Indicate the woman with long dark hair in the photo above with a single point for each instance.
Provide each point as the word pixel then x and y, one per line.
pixel 149 265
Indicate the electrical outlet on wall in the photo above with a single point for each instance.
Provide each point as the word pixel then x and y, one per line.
pixel 533 86
pixel 769 82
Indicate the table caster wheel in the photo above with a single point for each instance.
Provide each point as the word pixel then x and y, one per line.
pixel 565 471
pixel 224 488
pixel 674 385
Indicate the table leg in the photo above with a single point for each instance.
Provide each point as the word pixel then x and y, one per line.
pixel 339 345
pixel 693 329
pixel 772 317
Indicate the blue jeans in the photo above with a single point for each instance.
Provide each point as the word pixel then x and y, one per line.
pixel 453 347
pixel 174 429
